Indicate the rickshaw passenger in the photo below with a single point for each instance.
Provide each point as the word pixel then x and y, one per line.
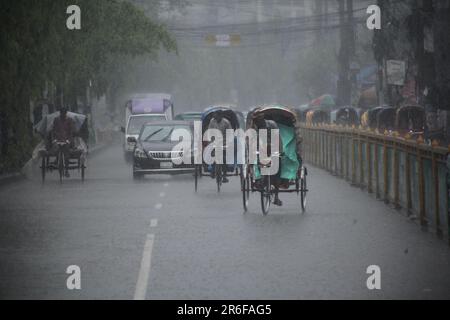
pixel 221 123
pixel 64 130
pixel 261 123
pixel 290 157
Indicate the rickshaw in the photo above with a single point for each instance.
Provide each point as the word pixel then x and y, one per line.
pixel 291 176
pixel 317 116
pixel 386 119
pixel 301 112
pixel 237 121
pixel 345 116
pixel 410 120
pixel 51 151
pixel 369 118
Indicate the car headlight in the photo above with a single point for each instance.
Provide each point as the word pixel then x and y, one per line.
pixel 138 153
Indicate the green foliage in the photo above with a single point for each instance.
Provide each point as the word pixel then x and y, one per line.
pixel 37 48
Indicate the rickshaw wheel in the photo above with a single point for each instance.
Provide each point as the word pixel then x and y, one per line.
pixel 266 196
pixel 83 167
pixel 61 166
pixel 43 168
pixel 196 173
pixel 218 173
pixel 245 185
pixel 303 190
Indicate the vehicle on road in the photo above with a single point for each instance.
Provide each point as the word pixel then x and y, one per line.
pixel 291 175
pixel 52 152
pixel 189 116
pixel 140 110
pixel 155 152
pixel 216 170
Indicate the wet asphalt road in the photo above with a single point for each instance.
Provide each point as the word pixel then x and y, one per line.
pixel 158 237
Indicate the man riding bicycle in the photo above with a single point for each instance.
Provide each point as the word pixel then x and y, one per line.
pixel 222 124
pixel 64 132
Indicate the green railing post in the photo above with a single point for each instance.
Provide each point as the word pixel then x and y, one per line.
pixel 369 165
pixel 408 183
pixel 376 170
pixel 396 177
pixel 385 173
pixel 422 216
pixel 435 175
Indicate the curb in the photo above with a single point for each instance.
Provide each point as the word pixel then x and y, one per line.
pixel 11 177
pixel 17 176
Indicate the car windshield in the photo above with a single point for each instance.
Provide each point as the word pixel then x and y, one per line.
pixel 189 116
pixel 160 132
pixel 136 122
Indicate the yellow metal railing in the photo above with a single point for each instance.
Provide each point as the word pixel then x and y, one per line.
pixel 403 172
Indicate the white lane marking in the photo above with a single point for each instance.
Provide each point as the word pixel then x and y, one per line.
pixel 144 271
pixel 162 194
pixel 166 184
pixel 153 223
pixel 158 206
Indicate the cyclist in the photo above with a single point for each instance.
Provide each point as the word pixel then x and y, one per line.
pixel 222 124
pixel 64 131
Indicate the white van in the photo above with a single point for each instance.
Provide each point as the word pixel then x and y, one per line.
pixel 142 109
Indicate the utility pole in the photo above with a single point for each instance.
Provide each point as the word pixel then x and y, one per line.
pixel 319 6
pixel 346 51
pixel 441 25
pixel 259 19
pixel 343 85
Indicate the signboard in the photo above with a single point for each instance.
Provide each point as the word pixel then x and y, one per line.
pixel 223 40
pixel 395 72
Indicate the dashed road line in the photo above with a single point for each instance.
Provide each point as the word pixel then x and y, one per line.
pixel 158 206
pixel 153 223
pixel 144 271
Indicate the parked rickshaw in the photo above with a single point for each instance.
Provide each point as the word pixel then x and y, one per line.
pixel 237 121
pixel 291 176
pixel 302 111
pixel 410 120
pixel 51 151
pixel 369 117
pixel 345 116
pixel 317 116
pixel 386 119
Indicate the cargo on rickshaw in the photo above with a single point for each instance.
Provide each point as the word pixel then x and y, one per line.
pixel 290 177
pixel 53 152
pixel 232 119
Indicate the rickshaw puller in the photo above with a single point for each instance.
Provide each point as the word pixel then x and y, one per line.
pixel 222 124
pixel 63 130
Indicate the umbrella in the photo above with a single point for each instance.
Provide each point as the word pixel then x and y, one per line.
pixel 323 101
pixel 46 124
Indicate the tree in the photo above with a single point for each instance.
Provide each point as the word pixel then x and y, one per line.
pixel 37 48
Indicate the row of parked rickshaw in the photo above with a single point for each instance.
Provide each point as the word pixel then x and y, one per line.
pixel 292 170
pixel 409 119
